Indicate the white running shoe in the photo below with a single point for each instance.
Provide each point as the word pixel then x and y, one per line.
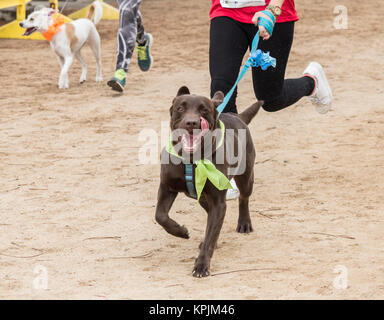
pixel 233 193
pixel 322 96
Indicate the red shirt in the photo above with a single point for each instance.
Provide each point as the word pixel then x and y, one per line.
pixel 246 14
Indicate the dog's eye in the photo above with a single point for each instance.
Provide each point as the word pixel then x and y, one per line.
pixel 180 109
pixel 203 109
pixel 31 19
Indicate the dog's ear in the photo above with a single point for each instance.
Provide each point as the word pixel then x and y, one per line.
pixel 171 108
pixel 215 118
pixel 171 115
pixel 51 12
pixel 218 98
pixel 183 90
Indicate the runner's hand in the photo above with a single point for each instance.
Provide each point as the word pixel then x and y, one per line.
pixel 263 32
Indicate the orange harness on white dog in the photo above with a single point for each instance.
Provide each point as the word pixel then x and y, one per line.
pixel 58 21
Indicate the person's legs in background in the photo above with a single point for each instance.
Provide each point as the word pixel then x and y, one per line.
pixel 229 41
pixel 130 31
pixel 279 93
pixel 140 37
pixel 144 42
pixel 228 45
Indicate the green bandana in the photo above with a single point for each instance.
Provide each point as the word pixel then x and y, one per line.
pixel 205 169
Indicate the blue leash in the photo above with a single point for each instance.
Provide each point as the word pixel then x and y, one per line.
pixel 257 58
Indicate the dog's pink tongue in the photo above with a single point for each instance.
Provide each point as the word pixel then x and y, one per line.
pixel 204 125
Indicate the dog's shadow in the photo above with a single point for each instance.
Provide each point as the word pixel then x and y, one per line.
pixel 117 94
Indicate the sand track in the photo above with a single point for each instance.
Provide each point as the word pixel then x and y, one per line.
pixel 74 199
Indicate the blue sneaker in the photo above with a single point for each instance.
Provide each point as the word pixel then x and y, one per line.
pixel 144 57
pixel 117 82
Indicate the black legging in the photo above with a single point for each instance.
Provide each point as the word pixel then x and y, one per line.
pixel 230 40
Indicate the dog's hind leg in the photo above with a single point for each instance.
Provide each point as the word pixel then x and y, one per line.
pixel 165 199
pixel 245 185
pixel 94 43
pixel 83 76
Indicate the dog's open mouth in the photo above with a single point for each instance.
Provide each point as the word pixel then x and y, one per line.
pixel 190 142
pixel 29 31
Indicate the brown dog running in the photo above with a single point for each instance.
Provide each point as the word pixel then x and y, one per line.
pixel 189 112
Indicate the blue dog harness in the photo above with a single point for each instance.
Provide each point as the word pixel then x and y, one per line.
pixel 189 180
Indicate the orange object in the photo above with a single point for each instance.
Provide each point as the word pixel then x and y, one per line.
pixel 58 21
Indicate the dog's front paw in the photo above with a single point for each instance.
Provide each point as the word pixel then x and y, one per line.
pixel 182 232
pixel 201 270
pixel 63 86
pixel 244 227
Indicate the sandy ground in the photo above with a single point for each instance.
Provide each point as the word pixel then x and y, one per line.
pixel 76 201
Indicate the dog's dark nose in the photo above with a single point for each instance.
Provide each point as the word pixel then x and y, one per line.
pixel 21 24
pixel 192 123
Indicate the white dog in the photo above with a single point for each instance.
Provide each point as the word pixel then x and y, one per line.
pixel 67 39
